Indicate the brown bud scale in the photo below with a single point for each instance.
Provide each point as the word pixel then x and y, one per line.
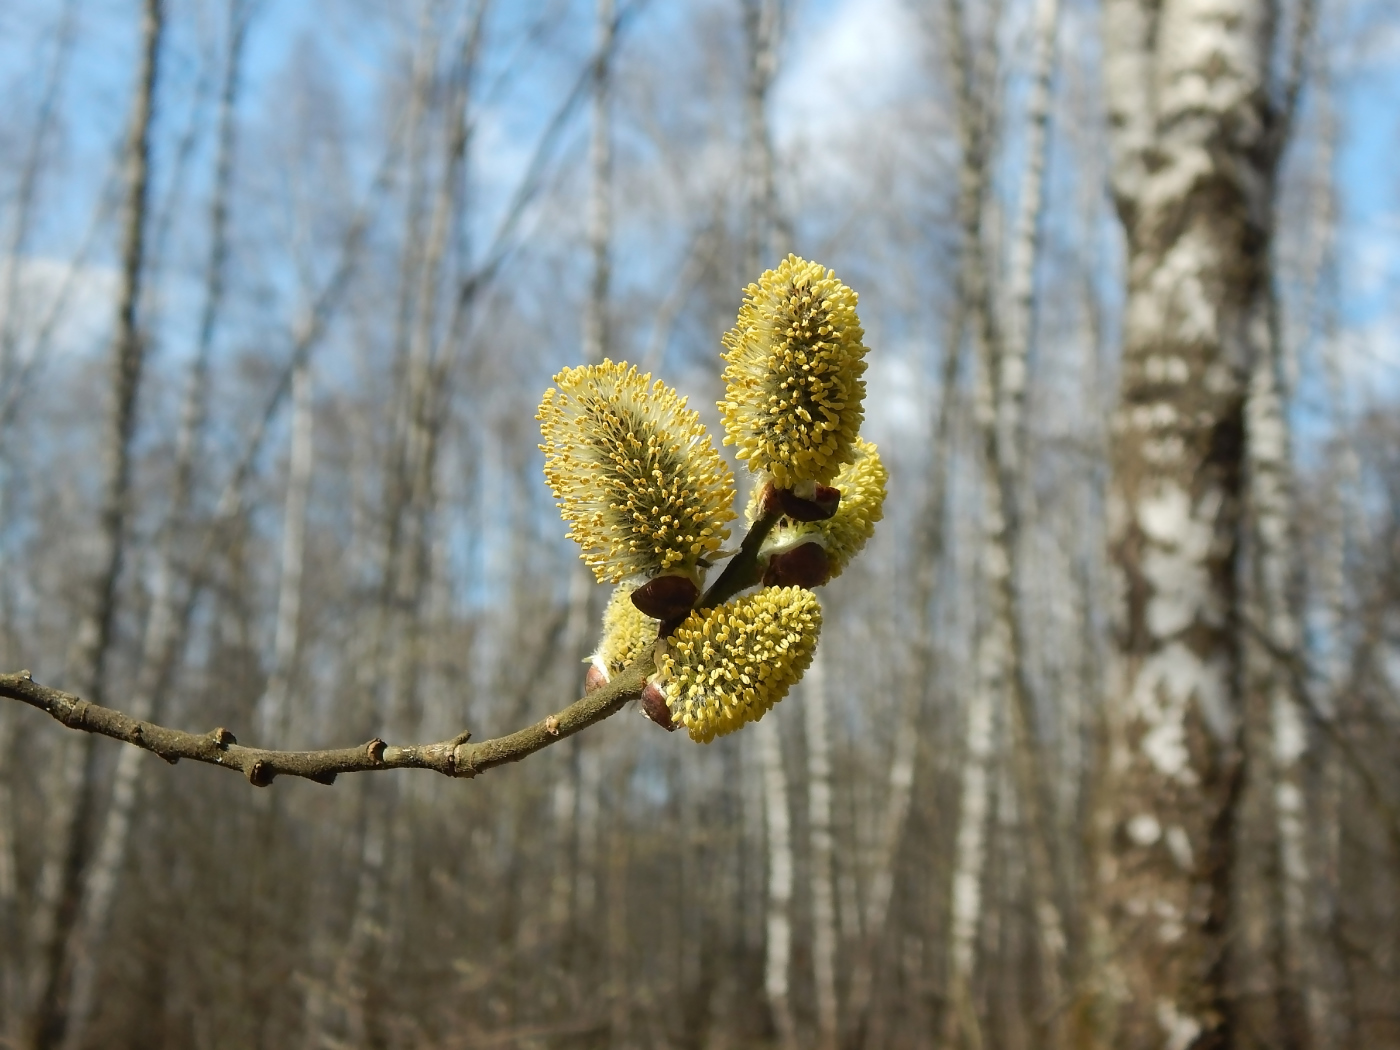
pixel 805 566
pixel 654 707
pixel 666 597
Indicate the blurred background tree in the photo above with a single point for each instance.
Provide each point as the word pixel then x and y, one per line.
pixel 1098 749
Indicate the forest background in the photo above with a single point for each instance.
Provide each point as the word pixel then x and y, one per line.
pixel 281 286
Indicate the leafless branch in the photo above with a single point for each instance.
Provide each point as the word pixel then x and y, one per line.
pixel 454 757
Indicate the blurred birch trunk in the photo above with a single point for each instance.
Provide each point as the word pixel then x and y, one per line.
pixel 1187 89
pixel 569 804
pixel 274 715
pixel 381 668
pixel 59 889
pixel 778 923
pixel 1332 994
pixel 1004 358
pixel 820 849
pixel 974 73
pixel 761 32
pixel 12 1006
pixel 168 617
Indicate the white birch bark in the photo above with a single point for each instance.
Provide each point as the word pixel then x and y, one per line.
pixel 820 847
pixel 761 28
pixel 777 964
pixel 1187 96
pixel 960 1025
pixel 1004 472
pixel 1335 1027
pixel 1013 360
pixel 595 318
pixel 568 801
pixel 1271 503
pixel 274 718
pixel 881 886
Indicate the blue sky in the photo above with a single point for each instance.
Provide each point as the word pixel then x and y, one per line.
pixel 846 65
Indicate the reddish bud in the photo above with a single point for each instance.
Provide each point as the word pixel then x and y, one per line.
pixel 654 707
pixel 821 506
pixel 805 566
pixel 666 597
pixel 594 679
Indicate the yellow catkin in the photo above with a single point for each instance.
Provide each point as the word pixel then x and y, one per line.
pixel 627 632
pixel 638 479
pixel 793 387
pixel 727 666
pixel 862 484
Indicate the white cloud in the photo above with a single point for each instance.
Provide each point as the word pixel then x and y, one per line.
pixel 57 308
pixel 1371 254
pixel 850 64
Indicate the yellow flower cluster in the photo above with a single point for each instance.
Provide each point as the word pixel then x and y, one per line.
pixel 639 481
pixel 627 632
pixel 862 485
pixel 793 386
pixel 727 666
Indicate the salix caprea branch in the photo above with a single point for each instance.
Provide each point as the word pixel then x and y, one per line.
pixel 649 499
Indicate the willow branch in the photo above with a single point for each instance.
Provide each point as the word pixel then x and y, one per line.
pixel 456 757
pixel 742 571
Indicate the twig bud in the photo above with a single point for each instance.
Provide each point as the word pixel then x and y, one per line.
pixel 655 708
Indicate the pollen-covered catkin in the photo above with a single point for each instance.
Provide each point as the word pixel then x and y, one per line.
pixel 729 665
pixel 862 484
pixel 627 632
pixel 793 388
pixel 638 479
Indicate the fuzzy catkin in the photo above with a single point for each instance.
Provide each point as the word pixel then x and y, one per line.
pixel 793 388
pixel 728 666
pixel 862 484
pixel 638 479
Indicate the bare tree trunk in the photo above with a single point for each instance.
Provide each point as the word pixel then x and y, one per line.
pixel 596 346
pixel 1273 592
pixel 814 706
pixel 761 34
pixel 411 505
pixel 761 29
pixel 1187 90
pixel 778 960
pixel 1007 367
pixel 166 623
pixel 1336 1027
pixel 960 1024
pixel 60 881
pixel 595 317
pixel 1013 360
pixel 618 949
pixel 273 714
pixel 26 193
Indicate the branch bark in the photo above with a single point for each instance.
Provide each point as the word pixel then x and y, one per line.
pixel 455 757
